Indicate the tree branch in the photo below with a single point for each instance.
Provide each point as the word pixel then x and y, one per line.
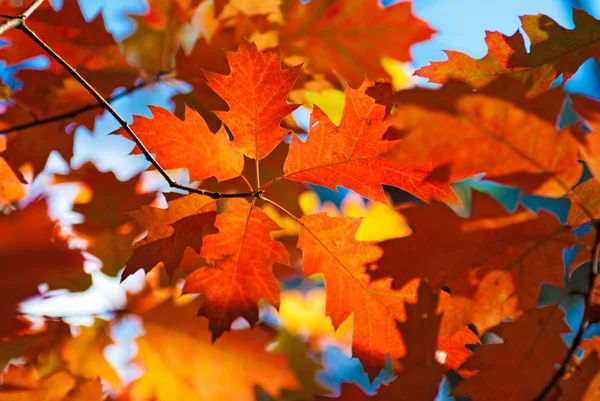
pixel 73 113
pixel 106 105
pixel 15 22
pixel 565 365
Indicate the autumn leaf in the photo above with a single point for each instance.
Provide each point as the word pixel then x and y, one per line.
pixel 329 248
pixel 256 92
pixel 181 363
pixel 421 374
pixel 23 383
pixel 106 226
pixel 332 155
pixel 496 130
pixel 170 232
pixel 589 109
pixel 494 298
pixel 523 245
pixel 30 258
pixel 584 201
pixel 188 144
pixel 554 51
pixel 520 366
pixel 239 267
pixel 11 188
pixel 349 37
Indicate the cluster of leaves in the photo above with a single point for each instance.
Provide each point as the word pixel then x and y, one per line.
pixel 453 295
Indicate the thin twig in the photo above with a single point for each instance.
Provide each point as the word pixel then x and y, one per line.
pixel 73 113
pixel 16 21
pixel 172 183
pixel 565 365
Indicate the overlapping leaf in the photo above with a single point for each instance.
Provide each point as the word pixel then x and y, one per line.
pixel 496 130
pixel 349 37
pixel 589 109
pixel 519 367
pixel 239 267
pixel 421 374
pixel 170 232
pixel 456 252
pixel 554 50
pixel 332 155
pixel 329 248
pixel 188 144
pixel 255 91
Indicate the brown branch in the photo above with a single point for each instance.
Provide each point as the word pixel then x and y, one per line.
pixel 17 21
pixel 106 105
pixel 565 365
pixel 73 113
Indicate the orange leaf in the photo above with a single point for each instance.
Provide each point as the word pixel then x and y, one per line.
pixel 350 155
pixel 520 367
pixel 496 130
pixel 554 51
pixel 170 232
pixel 29 258
pixel 239 267
pixel 494 299
pixel 328 247
pixel 181 363
pixel 584 200
pixel 449 250
pixel 256 91
pixel 188 144
pixel 11 188
pixel 349 37
pixel 589 109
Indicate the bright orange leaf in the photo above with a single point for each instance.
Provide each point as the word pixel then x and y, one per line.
pixel 188 144
pixel 332 155
pixel 329 248
pixel 256 91
pixel 239 267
